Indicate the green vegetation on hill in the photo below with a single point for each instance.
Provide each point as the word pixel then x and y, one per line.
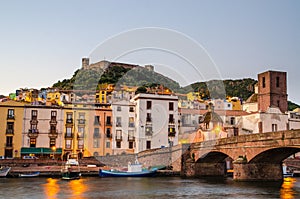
pixel 141 77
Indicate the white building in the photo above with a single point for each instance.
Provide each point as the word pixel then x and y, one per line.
pixel 123 127
pixel 156 121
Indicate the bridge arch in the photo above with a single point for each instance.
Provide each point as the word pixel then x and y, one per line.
pixel 274 155
pixel 213 157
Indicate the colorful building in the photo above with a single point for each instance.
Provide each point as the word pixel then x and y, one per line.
pixel 11 125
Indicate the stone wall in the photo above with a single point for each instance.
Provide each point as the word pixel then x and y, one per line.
pixel 117 160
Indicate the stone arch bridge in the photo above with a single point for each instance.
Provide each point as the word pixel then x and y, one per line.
pixel 254 157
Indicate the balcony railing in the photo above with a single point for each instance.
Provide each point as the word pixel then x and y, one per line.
pixel 171 121
pixel 10 131
pixel 33 133
pixel 81 121
pixel 68 135
pixel 69 121
pixel 108 135
pixel 8 145
pixel 108 123
pixel 10 117
pixel 34 121
pixel 118 124
pixel 119 138
pixel 53 122
pixel 149 119
pixel 131 138
pixel 96 123
pixel 131 125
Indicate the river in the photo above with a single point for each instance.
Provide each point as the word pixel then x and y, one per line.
pixel 157 187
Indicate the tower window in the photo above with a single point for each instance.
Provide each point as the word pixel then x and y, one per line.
pixel 263 82
pixel 277 81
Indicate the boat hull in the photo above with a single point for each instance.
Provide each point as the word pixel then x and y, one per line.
pixel 4 171
pixel 29 175
pixel 70 175
pixel 106 173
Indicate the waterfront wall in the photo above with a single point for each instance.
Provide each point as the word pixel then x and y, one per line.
pixel 170 157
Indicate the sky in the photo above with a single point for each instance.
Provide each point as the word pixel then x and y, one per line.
pixel 42 42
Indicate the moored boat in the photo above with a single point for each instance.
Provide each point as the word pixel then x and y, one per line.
pixel 4 171
pixel 133 170
pixel 71 170
pixel 29 175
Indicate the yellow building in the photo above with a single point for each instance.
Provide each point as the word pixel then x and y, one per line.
pixel 11 124
pixel 76 130
pixel 236 103
pixel 192 96
pixel 54 98
pixel 104 93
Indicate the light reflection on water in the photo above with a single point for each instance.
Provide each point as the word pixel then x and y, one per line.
pixel 170 187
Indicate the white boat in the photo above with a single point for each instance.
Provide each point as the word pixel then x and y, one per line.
pixel 285 171
pixel 4 171
pixel 133 170
pixel 29 175
pixel 71 170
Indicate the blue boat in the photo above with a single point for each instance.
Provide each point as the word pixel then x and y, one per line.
pixel 134 170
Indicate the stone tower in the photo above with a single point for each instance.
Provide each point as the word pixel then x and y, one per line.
pixel 85 63
pixel 272 90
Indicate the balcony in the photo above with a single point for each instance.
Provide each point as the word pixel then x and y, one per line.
pixel 10 117
pixel 69 121
pixel 171 132
pixel 9 131
pixel 8 145
pixel 33 133
pixel 118 124
pixel 108 123
pixel 53 134
pixel 148 131
pixel 148 119
pixel 131 125
pixel 119 138
pixel 34 122
pixel 131 138
pixel 53 122
pixel 108 135
pixel 81 121
pixel 69 135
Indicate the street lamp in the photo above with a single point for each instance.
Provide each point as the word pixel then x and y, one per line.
pixel 53 150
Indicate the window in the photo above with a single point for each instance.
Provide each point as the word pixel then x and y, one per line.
pixel 119 134
pixel 148 130
pixel 69 117
pixel 96 133
pixel 118 143
pixel 53 114
pixel 68 144
pixel 108 133
pixel 52 142
pixel 108 120
pixel 274 127
pixel 171 119
pixel 69 132
pixel 277 81
pixel 97 120
pixel 130 135
pixel 107 145
pixel 118 108
pixel 119 122
pixel 130 145
pixel 131 109
pixel 32 142
pixel 9 141
pixel 131 121
pixel 148 144
pixel 80 144
pixel 34 114
pixel 10 128
pixel 80 132
pixel 232 120
pixel 148 118
pixel 149 105
pixel 96 143
pixel 263 82
pixel 81 118
pixel 278 103
pixel 171 106
pixel 10 114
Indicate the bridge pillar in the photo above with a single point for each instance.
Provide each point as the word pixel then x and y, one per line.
pixel 257 172
pixel 209 169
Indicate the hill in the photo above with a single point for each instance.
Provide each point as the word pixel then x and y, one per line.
pixel 89 79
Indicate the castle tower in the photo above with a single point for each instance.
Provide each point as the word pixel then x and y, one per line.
pixel 272 90
pixel 85 63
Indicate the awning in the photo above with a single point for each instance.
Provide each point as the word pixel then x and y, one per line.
pixel 33 150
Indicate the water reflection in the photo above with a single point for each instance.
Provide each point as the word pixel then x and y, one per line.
pixel 287 191
pixel 51 188
pixel 78 188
